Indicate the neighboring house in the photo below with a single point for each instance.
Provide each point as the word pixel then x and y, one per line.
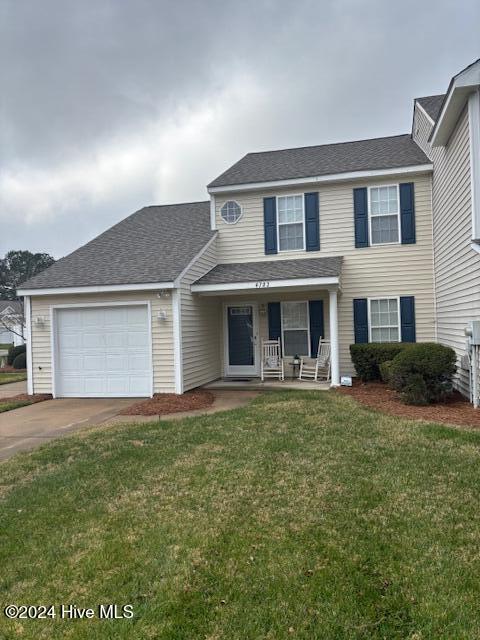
pixel 11 322
pixel 332 240
pixel 447 128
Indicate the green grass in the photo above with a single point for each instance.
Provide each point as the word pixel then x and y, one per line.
pixel 303 515
pixel 7 378
pixel 8 406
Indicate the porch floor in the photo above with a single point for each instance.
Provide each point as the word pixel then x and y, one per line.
pixel 257 384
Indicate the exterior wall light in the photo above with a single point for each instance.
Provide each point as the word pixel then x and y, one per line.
pixel 162 315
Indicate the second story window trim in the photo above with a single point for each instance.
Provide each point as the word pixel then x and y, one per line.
pixel 382 208
pixel 290 215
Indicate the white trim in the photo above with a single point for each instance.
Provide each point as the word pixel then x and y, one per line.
pixel 307 328
pixel 474 127
pixel 28 330
pixel 459 89
pixel 475 247
pixel 53 350
pixel 49 291
pixel 333 177
pixel 80 305
pixel 270 284
pixel 241 370
pixel 213 222
pixel 238 205
pixel 369 301
pixel 177 341
pixel 379 215
pixel 419 106
pixel 194 260
pixel 334 346
pixel 284 224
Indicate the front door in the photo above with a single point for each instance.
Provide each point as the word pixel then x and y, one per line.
pixel 241 340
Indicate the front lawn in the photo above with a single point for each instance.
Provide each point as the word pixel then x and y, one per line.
pixel 8 377
pixel 12 404
pixel 302 515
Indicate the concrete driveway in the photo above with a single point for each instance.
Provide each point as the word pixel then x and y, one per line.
pixel 31 426
pixel 13 389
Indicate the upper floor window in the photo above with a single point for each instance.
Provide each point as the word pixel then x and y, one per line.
pixel 384 320
pixel 231 212
pixel 291 227
pixel 384 208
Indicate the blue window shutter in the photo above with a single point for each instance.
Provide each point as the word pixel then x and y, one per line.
pixel 407 212
pixel 360 212
pixel 407 318
pixel 274 321
pixel 270 224
pixel 360 320
pixel 312 222
pixel 315 309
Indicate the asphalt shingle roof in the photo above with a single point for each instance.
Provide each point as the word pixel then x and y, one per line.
pixel 326 159
pixel 152 245
pixel 273 270
pixel 432 105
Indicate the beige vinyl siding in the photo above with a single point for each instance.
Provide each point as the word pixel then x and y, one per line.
pixel 377 271
pixel 201 327
pixel 162 335
pixel 457 265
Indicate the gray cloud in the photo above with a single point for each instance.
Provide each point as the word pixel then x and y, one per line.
pixel 110 105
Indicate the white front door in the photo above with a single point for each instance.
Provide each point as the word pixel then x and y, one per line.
pixel 102 351
pixel 241 337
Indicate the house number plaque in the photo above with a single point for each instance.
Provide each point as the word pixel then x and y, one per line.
pixel 262 284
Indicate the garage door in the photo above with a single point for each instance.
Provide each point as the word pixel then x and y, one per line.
pixel 102 351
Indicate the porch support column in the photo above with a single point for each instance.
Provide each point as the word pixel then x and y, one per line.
pixel 334 351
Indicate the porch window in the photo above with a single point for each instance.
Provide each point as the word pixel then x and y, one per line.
pixel 384 214
pixel 291 233
pixel 384 320
pixel 295 329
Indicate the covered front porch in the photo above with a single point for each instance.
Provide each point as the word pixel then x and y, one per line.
pixel 293 301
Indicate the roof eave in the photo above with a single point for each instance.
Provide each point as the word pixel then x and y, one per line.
pixel 254 286
pixel 52 291
pixel 460 87
pixel 334 177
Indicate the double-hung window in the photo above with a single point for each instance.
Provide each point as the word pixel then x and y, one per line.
pixel 384 320
pixel 295 329
pixel 291 225
pixel 384 214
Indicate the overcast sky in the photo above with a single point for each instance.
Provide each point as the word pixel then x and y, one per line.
pixel 107 106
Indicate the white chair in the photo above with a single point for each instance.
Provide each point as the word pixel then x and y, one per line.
pixel 319 367
pixel 272 361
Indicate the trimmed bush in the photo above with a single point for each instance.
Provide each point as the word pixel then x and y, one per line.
pixel 13 352
pixel 385 371
pixel 20 361
pixel 423 373
pixel 368 357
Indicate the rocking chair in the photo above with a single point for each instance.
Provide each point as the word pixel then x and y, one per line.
pixel 319 368
pixel 272 361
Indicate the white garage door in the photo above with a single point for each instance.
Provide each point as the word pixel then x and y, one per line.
pixel 102 351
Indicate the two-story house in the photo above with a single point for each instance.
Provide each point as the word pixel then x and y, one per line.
pixel 329 241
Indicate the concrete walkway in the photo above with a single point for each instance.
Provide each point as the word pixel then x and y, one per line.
pixel 224 401
pixel 28 427
pixel 13 389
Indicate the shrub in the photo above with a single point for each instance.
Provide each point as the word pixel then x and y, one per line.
pixel 385 371
pixel 367 357
pixel 423 373
pixel 13 352
pixel 20 361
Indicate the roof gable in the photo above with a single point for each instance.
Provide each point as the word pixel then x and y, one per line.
pixel 431 105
